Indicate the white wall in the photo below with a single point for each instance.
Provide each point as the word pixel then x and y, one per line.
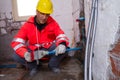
pixel 63 15
pixel 5 6
pixel 66 12
pixel 108 24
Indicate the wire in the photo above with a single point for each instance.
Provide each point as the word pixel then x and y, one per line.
pixel 90 40
pixel 94 33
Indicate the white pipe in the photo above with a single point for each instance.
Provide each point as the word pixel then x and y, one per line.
pixel 90 43
pixel 93 39
pixel 87 47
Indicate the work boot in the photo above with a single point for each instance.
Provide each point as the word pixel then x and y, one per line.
pixel 55 70
pixel 33 71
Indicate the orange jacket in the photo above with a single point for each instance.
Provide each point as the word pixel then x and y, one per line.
pixel 36 38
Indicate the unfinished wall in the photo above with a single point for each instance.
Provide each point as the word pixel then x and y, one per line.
pixel 66 12
pixel 76 9
pixel 8 28
pixel 107 27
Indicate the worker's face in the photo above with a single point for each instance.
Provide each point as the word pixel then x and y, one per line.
pixel 42 17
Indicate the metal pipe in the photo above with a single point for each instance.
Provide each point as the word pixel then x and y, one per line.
pixel 93 39
pixel 87 47
pixel 90 43
pixel 67 50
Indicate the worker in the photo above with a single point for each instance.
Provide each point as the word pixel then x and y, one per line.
pixel 38 35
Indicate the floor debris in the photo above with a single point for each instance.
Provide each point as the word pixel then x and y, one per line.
pixel 71 69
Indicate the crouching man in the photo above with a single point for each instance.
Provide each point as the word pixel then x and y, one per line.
pixel 42 34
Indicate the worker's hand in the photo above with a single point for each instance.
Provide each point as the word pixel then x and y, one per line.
pixel 38 54
pixel 60 49
pixel 28 57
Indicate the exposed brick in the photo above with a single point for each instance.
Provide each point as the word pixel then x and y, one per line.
pixel 3 31
pixel 9 22
pixel 9 15
pixel 2 24
pixel 115 59
pixel 15 24
pixel 2 16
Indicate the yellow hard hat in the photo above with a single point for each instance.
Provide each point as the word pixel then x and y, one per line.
pixel 45 6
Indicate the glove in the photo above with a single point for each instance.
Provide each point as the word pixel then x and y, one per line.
pixel 27 57
pixel 60 49
pixel 38 54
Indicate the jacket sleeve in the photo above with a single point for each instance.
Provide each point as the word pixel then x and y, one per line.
pixel 19 41
pixel 60 36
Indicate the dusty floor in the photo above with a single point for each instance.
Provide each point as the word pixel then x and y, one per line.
pixel 71 69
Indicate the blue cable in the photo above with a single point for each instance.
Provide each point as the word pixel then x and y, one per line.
pixel 50 53
pixel 69 49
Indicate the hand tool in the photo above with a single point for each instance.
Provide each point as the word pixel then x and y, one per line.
pixel 42 55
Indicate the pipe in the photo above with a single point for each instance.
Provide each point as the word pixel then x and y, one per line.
pixel 87 45
pixel 90 41
pixel 94 33
pixel 69 49
pixel 50 53
pixel 8 66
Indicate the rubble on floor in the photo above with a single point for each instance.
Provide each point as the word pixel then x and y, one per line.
pixel 71 69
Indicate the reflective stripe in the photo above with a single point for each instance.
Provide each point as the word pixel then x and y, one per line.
pixel 61 35
pixel 19 40
pixel 43 44
pixel 18 46
pixel 65 39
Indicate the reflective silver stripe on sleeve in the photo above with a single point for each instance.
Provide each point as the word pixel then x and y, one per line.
pixel 62 39
pixel 19 40
pixel 18 46
pixel 61 35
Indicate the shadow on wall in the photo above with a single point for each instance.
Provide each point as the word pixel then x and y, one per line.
pixel 5 48
pixel 8 28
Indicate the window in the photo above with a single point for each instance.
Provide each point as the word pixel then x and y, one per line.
pixel 22 9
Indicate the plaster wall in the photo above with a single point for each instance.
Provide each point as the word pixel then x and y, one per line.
pixel 106 34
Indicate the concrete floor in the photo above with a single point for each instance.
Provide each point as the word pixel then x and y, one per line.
pixel 71 69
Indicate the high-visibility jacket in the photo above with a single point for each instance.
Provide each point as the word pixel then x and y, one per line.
pixel 37 38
